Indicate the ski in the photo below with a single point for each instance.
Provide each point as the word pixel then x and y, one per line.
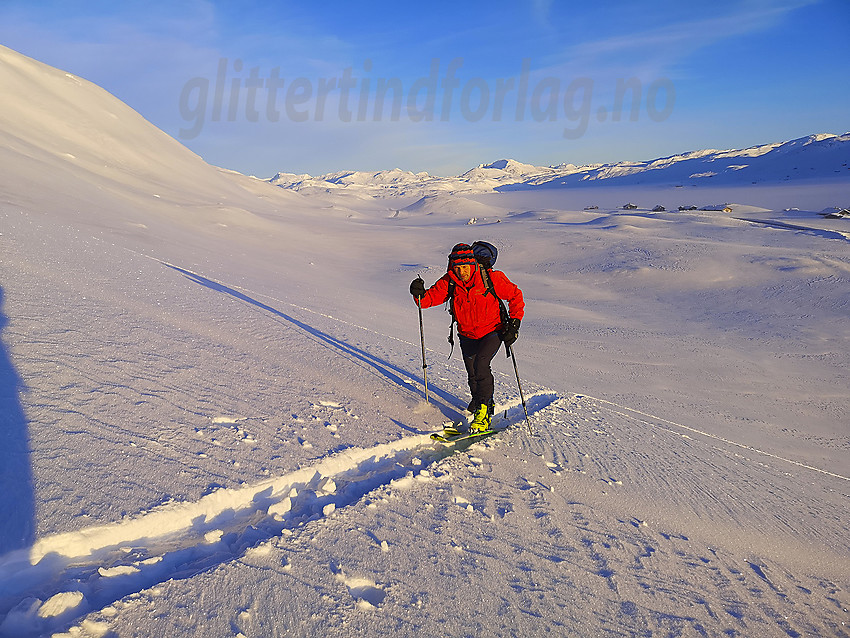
pixel 452 432
pixel 445 437
pixel 450 429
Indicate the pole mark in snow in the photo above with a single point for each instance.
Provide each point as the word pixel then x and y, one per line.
pixel 705 434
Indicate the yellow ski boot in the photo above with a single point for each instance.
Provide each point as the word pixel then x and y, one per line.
pixel 481 422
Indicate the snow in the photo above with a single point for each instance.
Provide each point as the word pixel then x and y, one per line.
pixel 816 158
pixel 214 422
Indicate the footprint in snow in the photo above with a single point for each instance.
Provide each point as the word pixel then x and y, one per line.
pixel 366 592
pixel 330 404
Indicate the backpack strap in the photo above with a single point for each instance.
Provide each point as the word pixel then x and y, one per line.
pixel 488 284
pixel 503 312
pixel 451 309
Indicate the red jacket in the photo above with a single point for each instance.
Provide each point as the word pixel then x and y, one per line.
pixel 477 313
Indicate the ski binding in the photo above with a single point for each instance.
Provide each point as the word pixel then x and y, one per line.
pixel 451 433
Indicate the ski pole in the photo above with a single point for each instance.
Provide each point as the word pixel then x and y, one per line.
pixel 422 341
pixel 521 395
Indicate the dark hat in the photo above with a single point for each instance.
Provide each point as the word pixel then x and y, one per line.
pixel 461 254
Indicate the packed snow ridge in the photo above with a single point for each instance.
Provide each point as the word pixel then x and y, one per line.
pixel 821 156
pixel 64 575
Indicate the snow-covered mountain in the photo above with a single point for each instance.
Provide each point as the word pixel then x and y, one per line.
pixel 397 183
pixel 816 157
pixel 213 419
pixel 64 137
pixel 56 125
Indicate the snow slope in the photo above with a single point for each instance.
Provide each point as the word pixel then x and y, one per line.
pixel 213 419
pixel 819 157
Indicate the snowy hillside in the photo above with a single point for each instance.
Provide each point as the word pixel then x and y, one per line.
pixel 809 159
pixel 213 418
pixel 816 157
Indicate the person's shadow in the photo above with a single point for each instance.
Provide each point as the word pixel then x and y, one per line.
pixel 373 364
pixel 17 506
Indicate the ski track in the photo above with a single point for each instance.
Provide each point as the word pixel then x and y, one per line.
pixel 47 587
pixel 557 559
pixel 60 577
pixel 820 232
pixel 655 421
pixel 660 575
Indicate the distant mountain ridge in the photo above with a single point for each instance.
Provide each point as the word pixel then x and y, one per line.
pixel 824 156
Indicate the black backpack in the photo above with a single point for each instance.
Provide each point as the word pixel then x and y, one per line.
pixel 485 254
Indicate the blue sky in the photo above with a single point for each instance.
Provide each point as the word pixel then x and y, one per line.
pixel 262 87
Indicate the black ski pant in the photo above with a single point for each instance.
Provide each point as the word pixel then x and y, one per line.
pixel 477 355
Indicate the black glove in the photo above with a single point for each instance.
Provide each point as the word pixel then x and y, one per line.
pixel 417 288
pixel 510 332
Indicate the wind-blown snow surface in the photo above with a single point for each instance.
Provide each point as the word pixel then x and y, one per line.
pixel 213 419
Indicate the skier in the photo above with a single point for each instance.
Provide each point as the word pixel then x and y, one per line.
pixel 479 322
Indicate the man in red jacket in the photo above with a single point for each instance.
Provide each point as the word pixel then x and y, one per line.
pixel 479 321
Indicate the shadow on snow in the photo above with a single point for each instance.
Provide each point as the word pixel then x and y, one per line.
pixel 17 505
pixel 378 366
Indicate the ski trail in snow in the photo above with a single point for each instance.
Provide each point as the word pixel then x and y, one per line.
pixel 631 413
pixel 821 232
pixel 253 297
pixel 256 294
pixel 63 576
pixel 383 369
pixel 397 375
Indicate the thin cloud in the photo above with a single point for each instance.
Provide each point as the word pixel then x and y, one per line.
pixel 689 35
